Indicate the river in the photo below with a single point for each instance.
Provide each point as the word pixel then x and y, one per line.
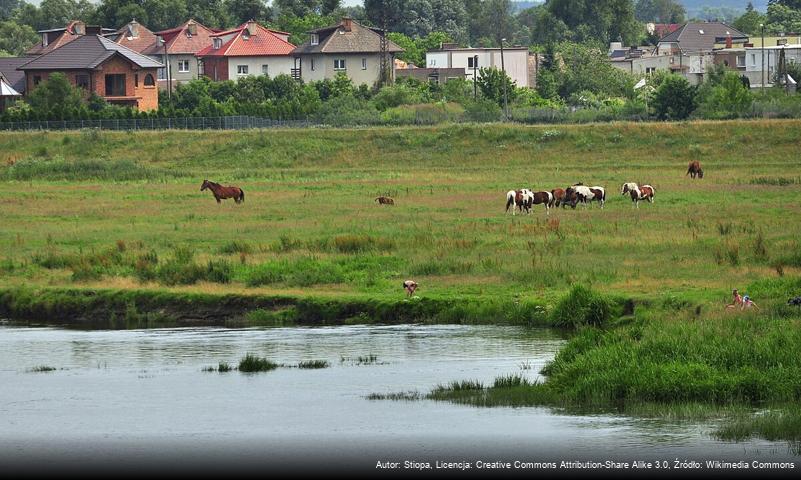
pixel 135 398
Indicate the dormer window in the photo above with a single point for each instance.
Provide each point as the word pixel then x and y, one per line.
pixel 315 39
pixel 217 43
pixel 245 35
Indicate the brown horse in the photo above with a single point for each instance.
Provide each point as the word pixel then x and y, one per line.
pixel 221 193
pixel 558 194
pixel 694 169
pixel 385 201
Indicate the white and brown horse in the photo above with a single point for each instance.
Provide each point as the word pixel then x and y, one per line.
pixel 694 169
pixel 638 192
pixel 542 198
pixel 586 195
pixel 519 200
pixel 385 200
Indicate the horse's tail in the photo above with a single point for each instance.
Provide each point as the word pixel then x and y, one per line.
pixel 510 200
pixel 241 195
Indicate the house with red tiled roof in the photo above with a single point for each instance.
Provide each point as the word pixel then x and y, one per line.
pixel 57 37
pixel 178 49
pixel 249 49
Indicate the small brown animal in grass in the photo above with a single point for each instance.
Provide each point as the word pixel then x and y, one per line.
pixel 694 169
pixel 385 201
pixel 410 286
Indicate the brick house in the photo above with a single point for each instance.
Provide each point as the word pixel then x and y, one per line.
pixel 97 64
pixel 250 49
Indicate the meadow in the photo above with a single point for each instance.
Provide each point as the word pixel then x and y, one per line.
pixel 114 225
pixel 123 210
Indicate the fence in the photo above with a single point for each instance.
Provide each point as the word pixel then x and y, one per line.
pixel 240 122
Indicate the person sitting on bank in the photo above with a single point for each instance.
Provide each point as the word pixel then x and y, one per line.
pixel 737 300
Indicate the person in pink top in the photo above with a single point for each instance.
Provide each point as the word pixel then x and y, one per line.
pixel 737 300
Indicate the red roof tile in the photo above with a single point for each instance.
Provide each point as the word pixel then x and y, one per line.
pixel 180 41
pixel 262 42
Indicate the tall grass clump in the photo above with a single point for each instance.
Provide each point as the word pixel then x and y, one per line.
pixel 82 169
pixel 235 247
pixel 314 364
pixel 252 363
pixel 581 306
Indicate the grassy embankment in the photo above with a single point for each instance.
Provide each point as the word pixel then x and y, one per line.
pixel 111 227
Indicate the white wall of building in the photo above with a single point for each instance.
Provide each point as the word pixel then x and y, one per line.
pixel 515 61
pixel 276 65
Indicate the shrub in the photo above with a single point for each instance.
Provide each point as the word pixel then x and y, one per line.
pixel 252 363
pixel 580 307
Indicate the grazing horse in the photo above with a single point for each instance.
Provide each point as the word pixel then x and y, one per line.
pixel 644 192
pixel 585 194
pixel 385 201
pixel 519 199
pixel 694 169
pixel 542 198
pixel 557 197
pixel 221 192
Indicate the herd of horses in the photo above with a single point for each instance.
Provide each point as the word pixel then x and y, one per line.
pixel 522 200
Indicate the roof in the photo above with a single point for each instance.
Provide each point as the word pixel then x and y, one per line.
pixel 135 36
pixel 180 40
pixel 696 36
pixel 337 39
pixel 66 35
pixel 239 43
pixel 14 77
pixel 6 90
pixel 87 52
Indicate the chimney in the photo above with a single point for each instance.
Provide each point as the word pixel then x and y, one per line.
pixel 728 41
pixel 251 27
pixel 79 28
pixel 191 27
pixel 133 29
pixel 347 24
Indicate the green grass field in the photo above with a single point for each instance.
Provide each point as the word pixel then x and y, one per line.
pixel 122 213
pixel 124 210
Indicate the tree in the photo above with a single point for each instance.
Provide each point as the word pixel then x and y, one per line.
pixel 7 7
pixel 674 98
pixel 211 13
pixel 660 11
pixel 600 21
pixel 783 18
pixel 53 13
pixel 298 27
pixel 491 84
pixel 749 21
pixel 240 11
pixel 16 39
pixel 418 18
pixel 726 97
pixel 56 97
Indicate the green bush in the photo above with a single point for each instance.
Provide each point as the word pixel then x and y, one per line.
pixel 581 307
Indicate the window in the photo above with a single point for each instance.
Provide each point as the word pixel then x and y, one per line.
pixel 115 85
pixel 183 66
pixel 650 70
pixel 241 69
pixel 472 62
pixel 149 81
pixel 741 60
pixel 364 64
pixel 217 43
pixel 339 64
pixel 312 64
pixel 753 58
pixel 136 80
pixel 37 79
pixel 265 70
pixel 315 39
pixel 82 81
pixel 432 62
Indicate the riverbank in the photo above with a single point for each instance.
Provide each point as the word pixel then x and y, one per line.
pixel 121 309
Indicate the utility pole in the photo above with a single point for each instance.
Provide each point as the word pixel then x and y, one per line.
pixel 167 68
pixel 503 80
pixel 475 85
pixel 385 76
pixel 762 26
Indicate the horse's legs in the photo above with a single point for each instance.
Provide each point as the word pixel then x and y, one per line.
pixel 218 199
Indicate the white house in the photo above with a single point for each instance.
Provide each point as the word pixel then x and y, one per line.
pixel 519 64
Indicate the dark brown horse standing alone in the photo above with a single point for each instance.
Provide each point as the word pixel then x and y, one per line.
pixel 694 169
pixel 221 193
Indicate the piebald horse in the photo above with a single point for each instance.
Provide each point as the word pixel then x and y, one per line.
pixel 519 199
pixel 638 192
pixel 221 193
pixel 542 198
pixel 585 194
